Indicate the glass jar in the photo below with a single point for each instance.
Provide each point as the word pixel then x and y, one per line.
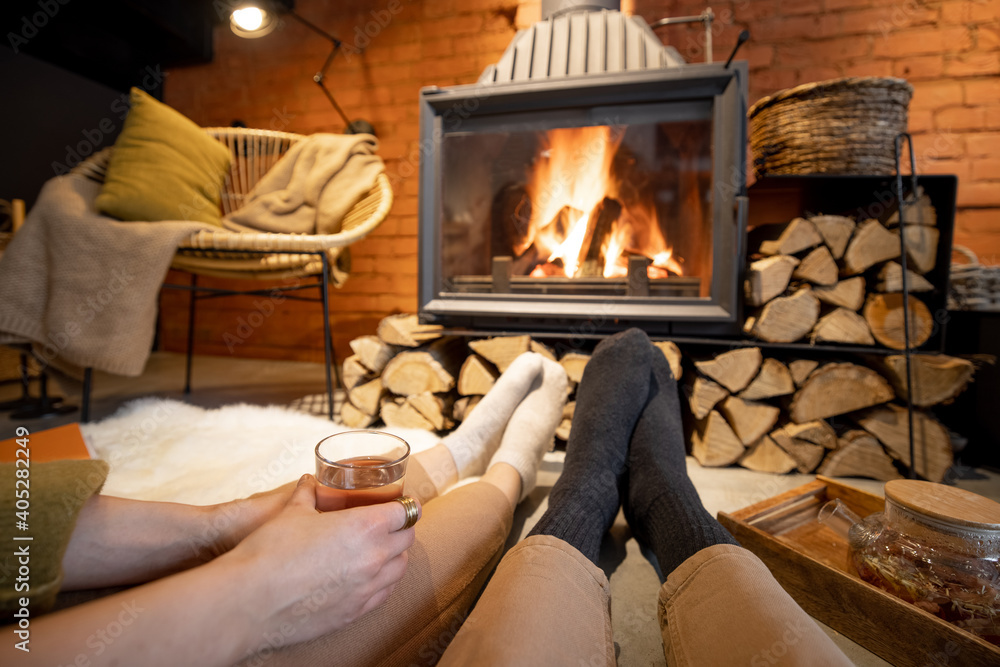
pixel 935 546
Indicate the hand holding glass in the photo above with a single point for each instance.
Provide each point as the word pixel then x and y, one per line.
pixel 357 468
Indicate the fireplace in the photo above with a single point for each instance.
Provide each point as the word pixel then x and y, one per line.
pixel 589 180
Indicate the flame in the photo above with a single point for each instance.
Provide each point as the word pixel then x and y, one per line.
pixel 569 179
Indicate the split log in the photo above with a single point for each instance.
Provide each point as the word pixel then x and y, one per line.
pixel 923 213
pixel 433 408
pixel 351 417
pixel 566 424
pixel 872 243
pixel 859 455
pixel 401 414
pixel 765 456
pixel 476 377
pixel 601 223
pixel 836 389
pixel 750 420
pixel 890 279
pixel 800 370
pixel 501 350
pixel 774 379
pixel 842 326
pixel 463 407
pixel 510 218
pixel 921 247
pixel 797 235
pixel 836 231
pixel 542 349
pixel 406 330
pixel 818 432
pixel 884 313
pixel 354 372
pixel 703 395
pixel 574 363
pixel 733 369
pixel 936 378
pixel 807 455
pixel 372 352
pixel 785 319
pixel 714 444
pixel 767 278
pixel 931 444
pixel 848 293
pixel 673 355
pixel 817 267
pixel 432 369
pixel 366 397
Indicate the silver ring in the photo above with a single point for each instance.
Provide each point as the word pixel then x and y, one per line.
pixel 412 511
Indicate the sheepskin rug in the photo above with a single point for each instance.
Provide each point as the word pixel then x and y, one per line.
pixel 162 449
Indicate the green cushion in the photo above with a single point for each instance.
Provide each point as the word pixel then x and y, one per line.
pixel 164 167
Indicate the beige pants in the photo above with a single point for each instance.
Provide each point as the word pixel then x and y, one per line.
pixel 547 605
pixel 720 607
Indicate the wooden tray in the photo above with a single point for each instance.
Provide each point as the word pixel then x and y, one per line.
pixel 809 560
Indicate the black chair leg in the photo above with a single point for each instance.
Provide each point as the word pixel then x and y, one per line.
pixel 328 356
pixel 45 406
pixel 88 379
pixel 190 345
pixel 26 400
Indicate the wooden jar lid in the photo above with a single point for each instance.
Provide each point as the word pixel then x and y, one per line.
pixel 945 503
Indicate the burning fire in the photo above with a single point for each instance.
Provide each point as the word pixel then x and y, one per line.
pixel 580 223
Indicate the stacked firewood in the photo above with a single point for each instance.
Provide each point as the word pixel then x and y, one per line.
pixel 776 413
pixel 829 279
pixel 836 418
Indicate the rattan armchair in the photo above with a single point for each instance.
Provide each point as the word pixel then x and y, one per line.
pixel 263 256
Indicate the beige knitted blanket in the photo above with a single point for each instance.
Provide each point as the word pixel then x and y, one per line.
pixel 82 286
pixel 312 187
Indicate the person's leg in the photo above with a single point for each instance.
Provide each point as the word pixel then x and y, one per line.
pixel 714 587
pixel 585 498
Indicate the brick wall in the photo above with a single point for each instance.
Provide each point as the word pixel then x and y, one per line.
pixel 949 50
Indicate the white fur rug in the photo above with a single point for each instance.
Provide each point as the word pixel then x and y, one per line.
pixel 161 449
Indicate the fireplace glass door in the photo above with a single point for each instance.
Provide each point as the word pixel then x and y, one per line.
pixel 601 210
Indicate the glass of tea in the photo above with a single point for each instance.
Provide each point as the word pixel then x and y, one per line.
pixel 359 468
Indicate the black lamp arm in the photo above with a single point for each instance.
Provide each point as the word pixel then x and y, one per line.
pixel 320 76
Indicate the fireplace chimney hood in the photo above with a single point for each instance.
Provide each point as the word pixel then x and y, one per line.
pixel 671 140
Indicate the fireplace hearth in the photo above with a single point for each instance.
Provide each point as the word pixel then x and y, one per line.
pixel 589 179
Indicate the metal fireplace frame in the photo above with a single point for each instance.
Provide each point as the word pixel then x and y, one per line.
pixel 595 99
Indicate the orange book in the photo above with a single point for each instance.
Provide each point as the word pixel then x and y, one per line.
pixel 54 444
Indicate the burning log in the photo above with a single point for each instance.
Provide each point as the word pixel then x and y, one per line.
pixel 600 226
pixel 510 216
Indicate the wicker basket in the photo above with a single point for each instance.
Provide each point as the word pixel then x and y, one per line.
pixel 973 286
pixel 840 126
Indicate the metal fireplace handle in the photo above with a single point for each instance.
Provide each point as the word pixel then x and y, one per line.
pixel 705 18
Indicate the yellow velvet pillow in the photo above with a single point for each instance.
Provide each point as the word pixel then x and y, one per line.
pixel 164 167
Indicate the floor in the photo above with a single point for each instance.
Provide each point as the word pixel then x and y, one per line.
pixel 634 580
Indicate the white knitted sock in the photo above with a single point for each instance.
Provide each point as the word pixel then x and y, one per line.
pixel 477 437
pixel 531 428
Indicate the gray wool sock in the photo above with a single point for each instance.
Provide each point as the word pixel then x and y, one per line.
pixel 530 431
pixel 474 441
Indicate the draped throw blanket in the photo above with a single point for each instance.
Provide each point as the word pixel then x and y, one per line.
pixel 311 189
pixel 82 287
